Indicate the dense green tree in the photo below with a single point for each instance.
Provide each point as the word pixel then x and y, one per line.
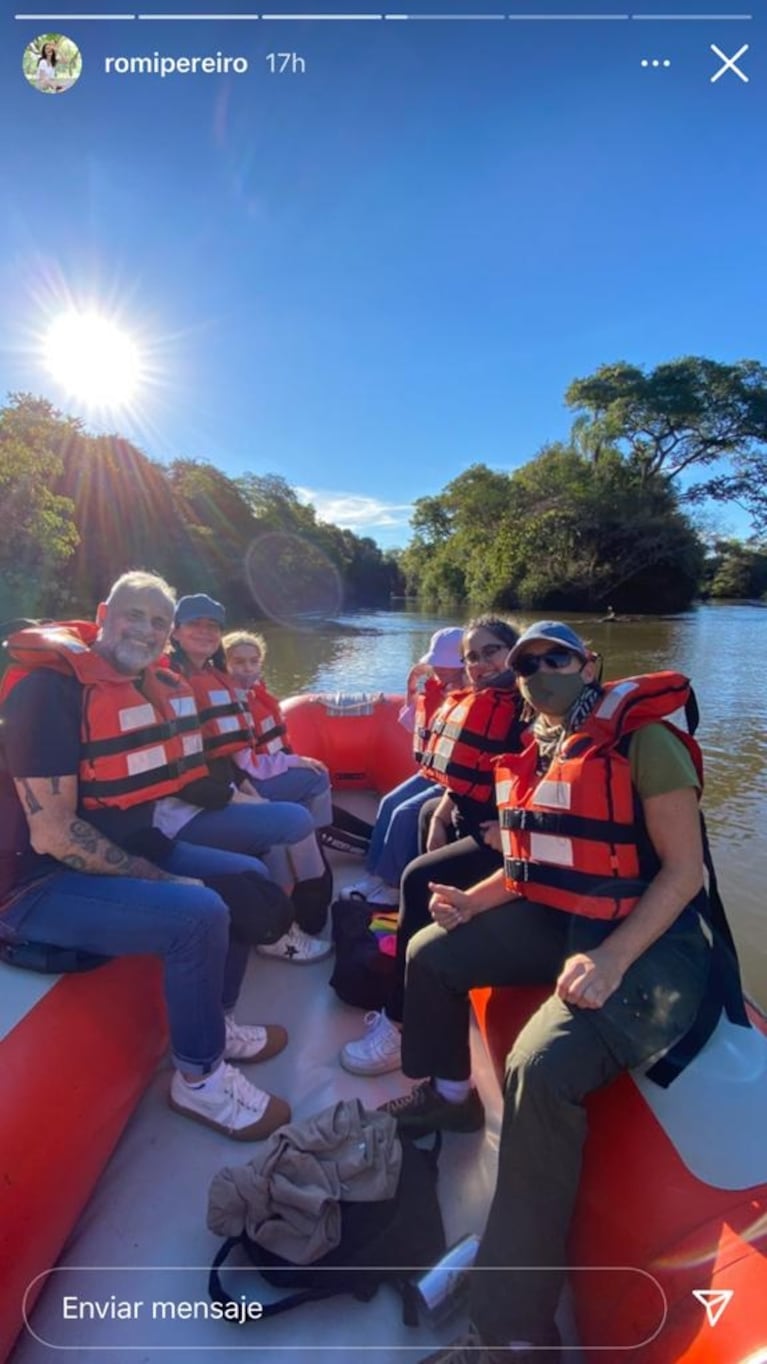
pixel 736 570
pixel 39 527
pixel 80 509
pixel 691 414
pixel 563 531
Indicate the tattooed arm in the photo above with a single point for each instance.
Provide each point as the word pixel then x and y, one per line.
pixel 55 827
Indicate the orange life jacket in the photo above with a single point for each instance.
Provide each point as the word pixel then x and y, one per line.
pixel 574 837
pixel 137 743
pixel 427 703
pixel 468 732
pixel 225 721
pixel 269 728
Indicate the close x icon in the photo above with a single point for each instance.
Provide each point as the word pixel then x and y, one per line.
pixel 730 63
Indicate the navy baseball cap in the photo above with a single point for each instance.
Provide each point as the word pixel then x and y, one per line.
pixel 199 607
pixel 554 632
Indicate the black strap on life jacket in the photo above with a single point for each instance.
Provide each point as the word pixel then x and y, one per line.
pixel 568 826
pixel 267 736
pixel 473 776
pixel 584 883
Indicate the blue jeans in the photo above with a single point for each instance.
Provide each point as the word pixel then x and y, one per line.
pixel 306 786
pixel 395 834
pixel 252 829
pixel 188 926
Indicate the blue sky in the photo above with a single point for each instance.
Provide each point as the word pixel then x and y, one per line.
pixel 368 276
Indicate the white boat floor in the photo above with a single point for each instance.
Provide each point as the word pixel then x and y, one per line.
pixel 143 1239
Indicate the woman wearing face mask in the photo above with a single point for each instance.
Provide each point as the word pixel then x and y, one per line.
pixel 468 733
pixel 601 895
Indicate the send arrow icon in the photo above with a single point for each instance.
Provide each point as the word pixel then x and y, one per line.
pixel 714 1301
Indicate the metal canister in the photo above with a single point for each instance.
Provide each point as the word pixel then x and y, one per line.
pixel 443 1286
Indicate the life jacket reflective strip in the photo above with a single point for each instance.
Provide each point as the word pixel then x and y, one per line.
pixel 427 703
pixel 269 728
pixel 468 731
pixel 574 838
pixel 138 744
pixel 225 721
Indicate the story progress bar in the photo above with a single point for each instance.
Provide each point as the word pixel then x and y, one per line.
pixel 420 18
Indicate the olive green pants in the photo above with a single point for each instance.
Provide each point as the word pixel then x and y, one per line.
pixel 561 1056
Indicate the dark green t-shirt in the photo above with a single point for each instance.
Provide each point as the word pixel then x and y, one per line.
pixel 660 762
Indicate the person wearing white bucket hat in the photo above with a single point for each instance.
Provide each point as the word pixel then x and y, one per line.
pixel 394 841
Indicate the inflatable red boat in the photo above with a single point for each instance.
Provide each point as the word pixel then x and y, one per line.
pixel 673 1199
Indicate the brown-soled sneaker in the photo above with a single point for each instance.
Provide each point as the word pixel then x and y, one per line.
pixel 231 1105
pixel 253 1041
pixel 424 1110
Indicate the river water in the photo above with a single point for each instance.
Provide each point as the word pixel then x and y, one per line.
pixel 723 648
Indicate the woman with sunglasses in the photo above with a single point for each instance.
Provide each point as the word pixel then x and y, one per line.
pixel 468 733
pixel 601 896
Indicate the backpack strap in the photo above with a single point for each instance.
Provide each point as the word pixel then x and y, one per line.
pixel 218 1293
pixel 723 992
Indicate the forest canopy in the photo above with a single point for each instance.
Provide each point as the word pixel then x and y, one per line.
pixel 603 518
pixel 81 509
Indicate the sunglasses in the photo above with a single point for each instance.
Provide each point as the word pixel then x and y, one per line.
pixel 555 658
pixel 484 654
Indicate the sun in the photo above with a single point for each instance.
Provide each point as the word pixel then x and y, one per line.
pixel 91 358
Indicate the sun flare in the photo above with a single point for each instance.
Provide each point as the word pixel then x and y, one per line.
pixel 92 359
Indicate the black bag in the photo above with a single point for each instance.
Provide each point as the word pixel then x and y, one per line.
pixel 311 899
pixel 47 958
pixel 389 1241
pixel 259 910
pixel 363 973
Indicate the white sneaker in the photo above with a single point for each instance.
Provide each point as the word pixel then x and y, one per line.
pixel 385 896
pixel 296 946
pixel 253 1041
pixel 378 1051
pixel 360 890
pixel 230 1104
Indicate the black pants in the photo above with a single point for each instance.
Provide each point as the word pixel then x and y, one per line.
pixel 460 864
pixel 561 1056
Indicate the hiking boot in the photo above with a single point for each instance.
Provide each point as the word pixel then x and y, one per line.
pixel 252 1041
pixel 471 1349
pixel 424 1110
pixel 230 1104
pixel 296 946
pixel 378 1051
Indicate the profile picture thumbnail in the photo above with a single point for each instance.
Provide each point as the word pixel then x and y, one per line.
pixel 52 63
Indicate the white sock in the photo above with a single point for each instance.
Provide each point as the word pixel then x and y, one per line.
pixel 211 1081
pixel 455 1091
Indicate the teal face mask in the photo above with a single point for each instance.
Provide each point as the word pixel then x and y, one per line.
pixel 552 693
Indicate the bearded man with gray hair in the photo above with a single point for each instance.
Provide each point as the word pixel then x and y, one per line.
pixel 93 734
